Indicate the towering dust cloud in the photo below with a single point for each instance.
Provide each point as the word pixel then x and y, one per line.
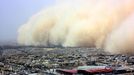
pixel 106 24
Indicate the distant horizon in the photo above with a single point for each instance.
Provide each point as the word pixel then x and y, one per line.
pixel 16 13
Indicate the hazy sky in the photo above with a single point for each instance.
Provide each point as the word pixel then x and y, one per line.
pixel 14 13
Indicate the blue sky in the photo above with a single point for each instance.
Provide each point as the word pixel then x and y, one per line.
pixel 14 13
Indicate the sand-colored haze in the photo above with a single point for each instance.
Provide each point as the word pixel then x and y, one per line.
pixel 104 24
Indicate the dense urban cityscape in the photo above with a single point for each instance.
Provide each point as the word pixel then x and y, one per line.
pixel 54 61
